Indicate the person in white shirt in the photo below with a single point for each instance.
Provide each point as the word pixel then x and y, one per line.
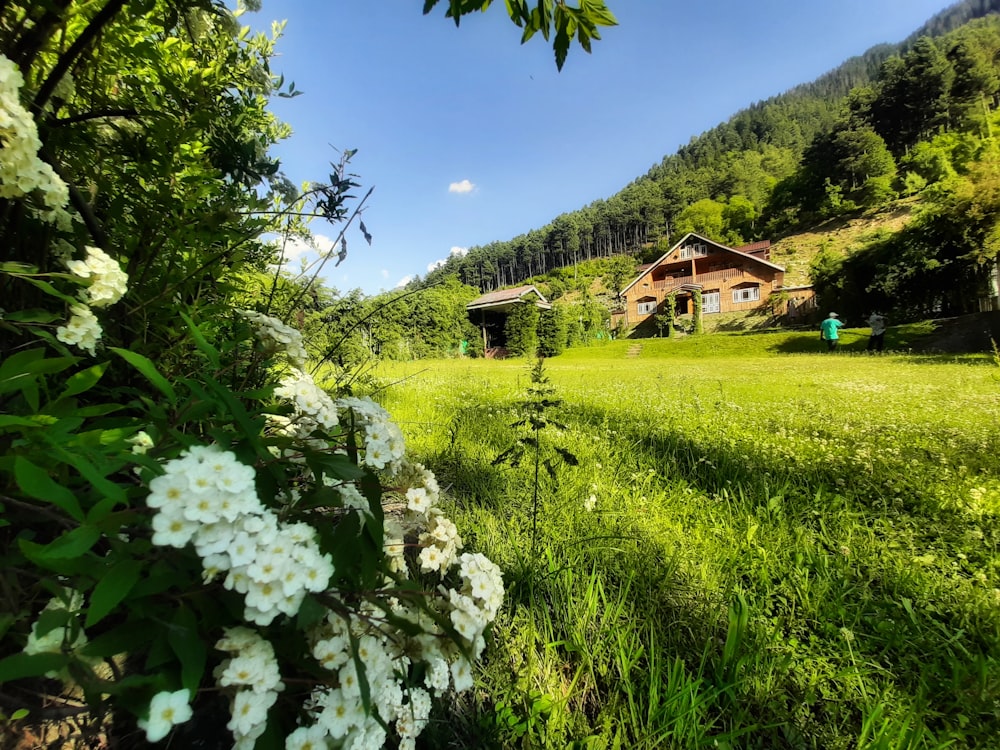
pixel 877 322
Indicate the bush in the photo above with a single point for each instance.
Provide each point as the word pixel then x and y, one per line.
pixel 521 330
pixel 179 494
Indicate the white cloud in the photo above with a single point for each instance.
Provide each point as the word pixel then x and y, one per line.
pixel 404 281
pixel 461 187
pixel 385 273
pixel 455 252
pixel 296 248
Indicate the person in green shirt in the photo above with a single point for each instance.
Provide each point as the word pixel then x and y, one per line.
pixel 828 331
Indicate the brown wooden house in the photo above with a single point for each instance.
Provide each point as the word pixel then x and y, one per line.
pixel 730 279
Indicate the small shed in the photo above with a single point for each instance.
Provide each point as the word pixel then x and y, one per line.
pixel 490 312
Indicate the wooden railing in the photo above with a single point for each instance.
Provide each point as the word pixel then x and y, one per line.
pixel 671 281
pixel 725 273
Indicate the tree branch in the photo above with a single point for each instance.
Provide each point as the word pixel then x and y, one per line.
pixel 96 115
pixel 66 59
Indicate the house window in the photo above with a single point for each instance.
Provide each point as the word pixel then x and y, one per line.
pixel 646 308
pixel 698 250
pixel 750 294
pixel 710 302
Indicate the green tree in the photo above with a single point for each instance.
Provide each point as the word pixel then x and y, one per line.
pixel 705 217
pixel 552 332
pixel 560 20
pixel 620 270
pixel 740 216
pixel 521 330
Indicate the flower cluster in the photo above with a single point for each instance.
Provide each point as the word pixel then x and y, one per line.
pixel 21 171
pixel 384 446
pixel 476 605
pixel 82 330
pixel 108 282
pixel 208 497
pixel 277 337
pixel 338 712
pixel 313 406
pixel 252 670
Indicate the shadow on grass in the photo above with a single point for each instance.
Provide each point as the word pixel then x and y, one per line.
pixel 910 636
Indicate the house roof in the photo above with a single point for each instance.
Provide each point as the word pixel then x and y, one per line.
pixel 692 235
pixel 754 248
pixel 505 298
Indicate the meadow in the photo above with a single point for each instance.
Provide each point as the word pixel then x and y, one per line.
pixel 741 543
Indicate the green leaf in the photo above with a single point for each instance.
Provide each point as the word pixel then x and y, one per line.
pixel 149 371
pixel 84 380
pixel 71 544
pixel 36 483
pixel 201 342
pixel 130 637
pixel 186 643
pixel 30 316
pixel 9 421
pixel 19 666
pixel 90 473
pixel 334 465
pixel 21 370
pixel 310 613
pixel 112 589
pixel 51 290
pixel 251 428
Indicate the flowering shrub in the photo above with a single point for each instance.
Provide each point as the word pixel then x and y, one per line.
pixel 185 510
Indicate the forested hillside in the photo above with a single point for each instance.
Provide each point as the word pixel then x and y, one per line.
pixel 916 118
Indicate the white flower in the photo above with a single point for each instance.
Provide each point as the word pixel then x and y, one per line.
pixel 141 442
pixel 249 711
pixel 340 713
pixel 332 653
pixel 590 503
pixel 108 282
pixel 21 171
pixel 277 337
pixel 82 330
pixel 165 711
pixel 172 531
pixel 418 500
pixel 461 674
pixel 307 738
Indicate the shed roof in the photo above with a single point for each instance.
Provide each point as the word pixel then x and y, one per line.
pixel 505 298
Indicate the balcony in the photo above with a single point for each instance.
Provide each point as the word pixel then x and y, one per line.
pixel 671 281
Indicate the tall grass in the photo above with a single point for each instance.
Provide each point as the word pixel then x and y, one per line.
pixel 786 550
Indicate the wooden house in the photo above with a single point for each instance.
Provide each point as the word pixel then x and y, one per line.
pixel 729 279
pixel 490 311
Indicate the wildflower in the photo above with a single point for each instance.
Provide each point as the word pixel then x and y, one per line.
pixel 340 712
pixel 108 282
pixel 307 738
pixel 166 710
pixel 590 503
pixel 141 442
pixel 277 337
pixel 21 171
pixel 82 330
pixel 249 711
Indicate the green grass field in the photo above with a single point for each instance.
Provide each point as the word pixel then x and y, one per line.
pixel 762 546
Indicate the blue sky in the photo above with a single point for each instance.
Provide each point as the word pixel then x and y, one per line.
pixel 469 137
